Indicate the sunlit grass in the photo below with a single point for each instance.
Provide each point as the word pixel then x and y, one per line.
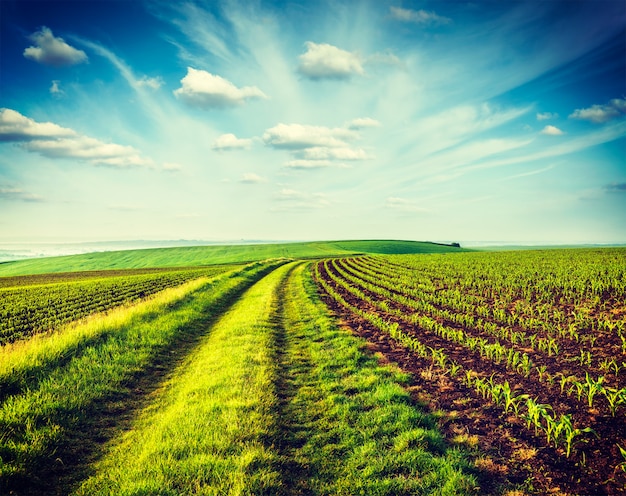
pixel 60 395
pixel 210 429
pixel 355 429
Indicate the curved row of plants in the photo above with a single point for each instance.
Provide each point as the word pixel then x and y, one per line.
pixel 567 402
pixel 30 309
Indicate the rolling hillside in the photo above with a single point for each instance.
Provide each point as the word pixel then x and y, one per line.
pixel 210 255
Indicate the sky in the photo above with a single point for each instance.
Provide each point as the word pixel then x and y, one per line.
pixel 451 121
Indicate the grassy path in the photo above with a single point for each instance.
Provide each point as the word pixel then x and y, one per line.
pixel 76 388
pixel 278 400
pixel 210 430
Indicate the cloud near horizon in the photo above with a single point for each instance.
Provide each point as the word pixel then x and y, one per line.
pixel 52 50
pixel 229 141
pixel 252 178
pixel 205 90
pixel 18 194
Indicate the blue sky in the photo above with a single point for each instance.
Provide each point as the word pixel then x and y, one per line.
pixel 445 121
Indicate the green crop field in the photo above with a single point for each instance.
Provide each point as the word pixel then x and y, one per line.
pixel 211 255
pixel 330 368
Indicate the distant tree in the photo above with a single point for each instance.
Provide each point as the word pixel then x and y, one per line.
pixel 456 245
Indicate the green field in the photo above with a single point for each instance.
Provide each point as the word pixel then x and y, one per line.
pixel 410 368
pixel 211 255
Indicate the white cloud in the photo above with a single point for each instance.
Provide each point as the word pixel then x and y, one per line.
pixel 308 164
pixel 153 83
pixel 17 127
pixel 299 136
pixel 601 113
pixel 172 167
pixel 329 153
pixel 363 122
pixel 90 149
pixel 384 59
pixel 205 90
pixel 51 50
pixel 291 199
pixel 315 147
pixel 324 61
pixel 544 116
pixel 230 142
pixel 252 178
pixel 421 17
pixel 17 194
pixel 54 141
pixel 55 88
pixel 404 205
pixel 552 131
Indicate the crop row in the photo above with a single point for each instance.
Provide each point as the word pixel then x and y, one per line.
pixel 478 332
pixel 494 351
pixel 452 285
pixel 538 385
pixel 28 310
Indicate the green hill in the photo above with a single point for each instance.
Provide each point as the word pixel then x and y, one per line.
pixel 210 255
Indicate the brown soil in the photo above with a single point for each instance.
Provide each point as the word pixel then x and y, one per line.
pixel 508 454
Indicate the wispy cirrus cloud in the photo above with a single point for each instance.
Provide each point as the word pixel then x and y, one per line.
pixel 544 116
pixel 18 194
pixel 52 50
pixel 404 205
pixel 288 199
pixel 205 90
pixel 419 17
pixel 616 188
pixel 252 178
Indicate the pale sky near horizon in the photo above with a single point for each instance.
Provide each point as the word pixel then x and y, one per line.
pixel 424 120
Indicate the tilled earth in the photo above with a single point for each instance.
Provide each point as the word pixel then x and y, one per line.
pixel 508 455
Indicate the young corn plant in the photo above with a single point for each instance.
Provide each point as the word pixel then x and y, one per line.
pixel 535 412
pixel 615 397
pixel 591 387
pixel 570 433
pixel 512 402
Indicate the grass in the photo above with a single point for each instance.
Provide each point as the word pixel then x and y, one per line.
pixel 208 431
pixel 278 400
pixel 63 387
pixel 354 429
pixel 210 255
pixel 178 395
